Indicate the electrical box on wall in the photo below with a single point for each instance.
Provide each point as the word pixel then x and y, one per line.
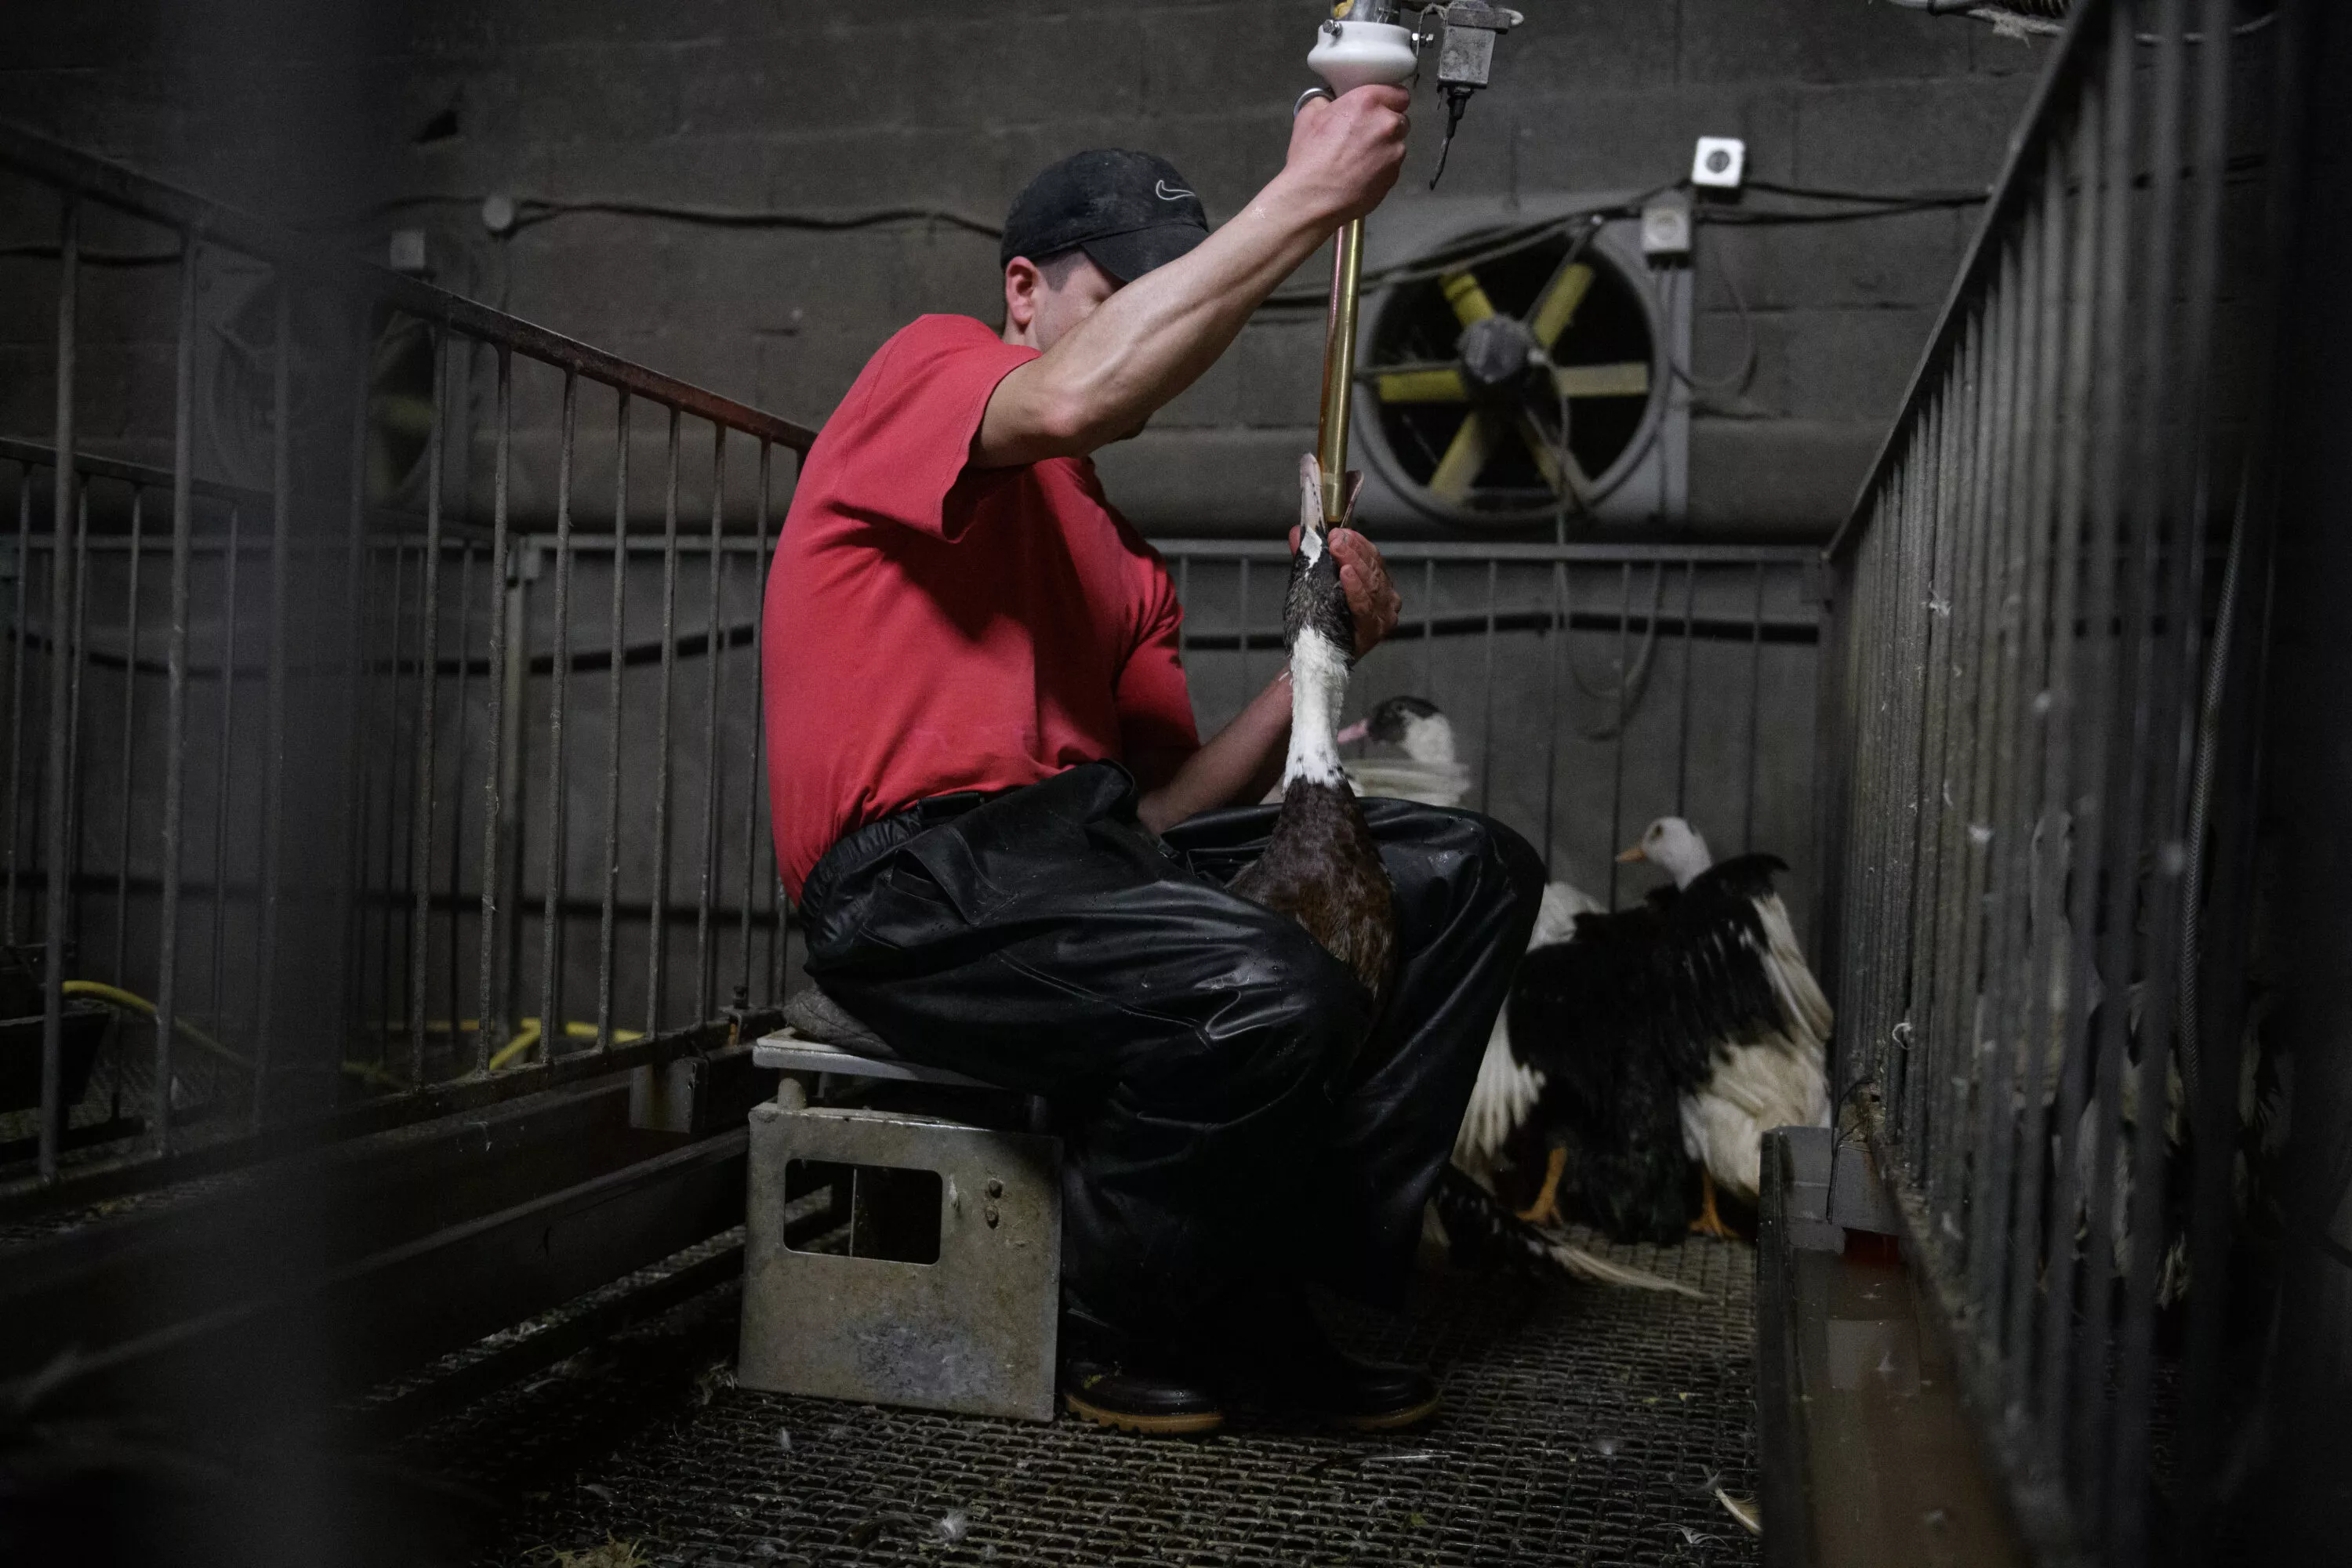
pixel 1720 163
pixel 1527 380
pixel 405 252
pixel 1666 229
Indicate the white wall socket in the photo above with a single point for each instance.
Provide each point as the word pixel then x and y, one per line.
pixel 1720 163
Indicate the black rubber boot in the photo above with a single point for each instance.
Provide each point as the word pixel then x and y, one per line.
pixel 1113 1381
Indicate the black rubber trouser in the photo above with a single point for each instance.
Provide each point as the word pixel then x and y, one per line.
pixel 1227 1120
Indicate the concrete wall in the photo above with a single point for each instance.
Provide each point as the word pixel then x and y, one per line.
pixel 776 110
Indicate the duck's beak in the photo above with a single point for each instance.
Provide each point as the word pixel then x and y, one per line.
pixel 1627 857
pixel 1355 731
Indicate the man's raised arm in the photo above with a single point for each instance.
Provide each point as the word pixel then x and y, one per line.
pixel 1155 337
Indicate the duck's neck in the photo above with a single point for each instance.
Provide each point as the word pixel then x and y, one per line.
pixel 1318 681
pixel 1429 740
pixel 1688 863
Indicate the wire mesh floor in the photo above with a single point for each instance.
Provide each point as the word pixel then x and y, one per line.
pixel 1583 1426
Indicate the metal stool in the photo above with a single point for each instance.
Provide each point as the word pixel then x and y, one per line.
pixel 949 1293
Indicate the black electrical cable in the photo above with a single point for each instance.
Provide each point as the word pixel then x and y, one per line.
pixel 93 258
pixel 1746 218
pixel 2045 18
pixel 1457 99
pixel 529 214
pixel 1473 251
pixel 1736 382
pixel 1493 245
pixel 1880 198
pixel 531 211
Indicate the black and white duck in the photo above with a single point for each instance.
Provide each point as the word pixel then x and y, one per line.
pixel 1420 763
pixel 1321 866
pixel 1508 1087
pixel 1677 1031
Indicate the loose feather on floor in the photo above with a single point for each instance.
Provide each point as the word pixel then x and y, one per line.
pixel 1481 1231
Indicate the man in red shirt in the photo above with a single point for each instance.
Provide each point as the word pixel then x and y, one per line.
pixel 1010 848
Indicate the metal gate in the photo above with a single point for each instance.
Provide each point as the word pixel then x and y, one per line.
pixel 2040 731
pixel 343 743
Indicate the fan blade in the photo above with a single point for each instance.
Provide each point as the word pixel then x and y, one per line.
pixel 1549 459
pixel 400 412
pixel 1467 296
pixel 1465 459
pixel 1555 306
pixel 1629 378
pixel 1440 385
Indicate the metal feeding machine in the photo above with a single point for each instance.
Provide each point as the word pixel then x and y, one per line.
pixel 1364 42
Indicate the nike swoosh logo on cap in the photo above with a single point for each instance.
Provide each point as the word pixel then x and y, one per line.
pixel 1168 193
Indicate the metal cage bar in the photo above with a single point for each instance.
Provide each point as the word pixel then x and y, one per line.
pixel 656 970
pixel 608 914
pixel 175 723
pixel 2021 686
pixel 341 629
pixel 61 668
pixel 705 958
pixel 559 790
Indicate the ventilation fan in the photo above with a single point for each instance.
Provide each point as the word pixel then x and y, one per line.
pixel 400 408
pixel 238 350
pixel 1502 380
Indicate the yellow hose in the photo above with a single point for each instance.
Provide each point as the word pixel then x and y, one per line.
pixel 367 1072
pixel 527 1036
pixel 375 1077
pixel 114 995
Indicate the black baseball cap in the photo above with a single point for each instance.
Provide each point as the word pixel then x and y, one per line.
pixel 1130 212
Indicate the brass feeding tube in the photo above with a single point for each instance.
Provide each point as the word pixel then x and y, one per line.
pixel 1339 370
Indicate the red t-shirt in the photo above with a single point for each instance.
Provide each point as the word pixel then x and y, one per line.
pixel 931 627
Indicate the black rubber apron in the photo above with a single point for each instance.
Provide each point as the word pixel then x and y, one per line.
pixel 1233 1112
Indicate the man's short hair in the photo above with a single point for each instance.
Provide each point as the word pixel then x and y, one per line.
pixel 1055 269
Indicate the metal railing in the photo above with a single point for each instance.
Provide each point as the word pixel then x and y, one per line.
pixel 296 766
pixel 2041 680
